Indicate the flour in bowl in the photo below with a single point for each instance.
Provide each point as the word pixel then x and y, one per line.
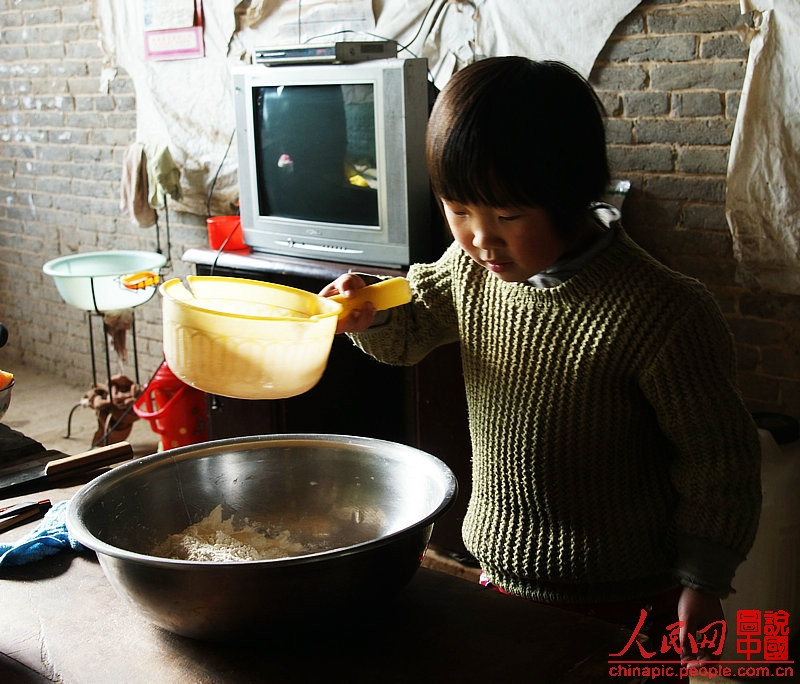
pixel 217 540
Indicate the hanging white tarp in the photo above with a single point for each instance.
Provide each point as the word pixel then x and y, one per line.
pixel 187 104
pixel 763 196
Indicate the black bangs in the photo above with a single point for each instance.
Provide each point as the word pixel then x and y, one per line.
pixel 485 173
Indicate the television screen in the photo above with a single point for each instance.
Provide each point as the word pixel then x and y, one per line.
pixel 317 154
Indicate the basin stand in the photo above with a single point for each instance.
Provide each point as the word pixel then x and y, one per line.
pixel 108 360
pixel 90 315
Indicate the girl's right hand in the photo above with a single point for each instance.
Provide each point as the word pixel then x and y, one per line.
pixel 358 320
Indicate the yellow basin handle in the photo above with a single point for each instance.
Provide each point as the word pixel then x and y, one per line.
pixel 385 294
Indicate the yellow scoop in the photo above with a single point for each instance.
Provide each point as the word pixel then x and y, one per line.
pixel 254 340
pixel 385 294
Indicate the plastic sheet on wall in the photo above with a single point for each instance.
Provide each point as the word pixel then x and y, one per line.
pixel 763 194
pixel 452 34
pixel 190 109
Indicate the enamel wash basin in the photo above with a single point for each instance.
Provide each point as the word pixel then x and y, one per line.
pixel 106 281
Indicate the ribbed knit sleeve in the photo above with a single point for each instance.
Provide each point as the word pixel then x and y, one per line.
pixel 609 442
pixel 693 390
pixel 428 322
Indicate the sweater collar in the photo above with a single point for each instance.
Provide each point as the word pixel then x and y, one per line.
pixel 607 218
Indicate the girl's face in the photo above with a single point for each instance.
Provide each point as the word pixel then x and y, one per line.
pixel 513 243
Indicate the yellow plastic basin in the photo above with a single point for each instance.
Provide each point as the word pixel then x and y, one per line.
pixel 245 338
pixel 254 340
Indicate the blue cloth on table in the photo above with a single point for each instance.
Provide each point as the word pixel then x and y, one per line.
pixel 49 537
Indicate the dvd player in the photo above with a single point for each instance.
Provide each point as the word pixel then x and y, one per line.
pixel 333 53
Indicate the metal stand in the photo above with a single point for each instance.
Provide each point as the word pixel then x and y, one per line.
pixel 90 316
pixel 100 314
pixel 108 360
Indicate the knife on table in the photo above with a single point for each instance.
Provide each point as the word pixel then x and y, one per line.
pixel 11 516
pixel 39 477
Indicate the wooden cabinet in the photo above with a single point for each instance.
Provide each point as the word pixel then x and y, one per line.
pixel 422 406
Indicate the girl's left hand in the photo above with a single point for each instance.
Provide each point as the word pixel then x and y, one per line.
pixel 696 611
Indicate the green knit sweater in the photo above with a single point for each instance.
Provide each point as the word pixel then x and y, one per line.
pixel 612 455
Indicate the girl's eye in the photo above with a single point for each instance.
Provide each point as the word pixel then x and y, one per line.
pixel 509 218
pixel 455 210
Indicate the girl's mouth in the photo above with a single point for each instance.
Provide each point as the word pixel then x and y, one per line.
pixel 498 266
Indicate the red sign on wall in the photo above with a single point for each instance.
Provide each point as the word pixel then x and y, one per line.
pixel 177 42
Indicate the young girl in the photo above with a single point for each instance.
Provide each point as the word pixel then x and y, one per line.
pixel 615 467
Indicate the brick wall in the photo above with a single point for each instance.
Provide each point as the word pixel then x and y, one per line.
pixel 670 77
pixel 61 146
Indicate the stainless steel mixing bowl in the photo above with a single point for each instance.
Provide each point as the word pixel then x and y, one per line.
pixel 367 507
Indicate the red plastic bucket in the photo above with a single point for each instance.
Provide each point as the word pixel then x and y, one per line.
pixel 175 410
pixel 220 228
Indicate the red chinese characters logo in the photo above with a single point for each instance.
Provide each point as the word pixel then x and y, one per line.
pixel 710 639
pixel 763 635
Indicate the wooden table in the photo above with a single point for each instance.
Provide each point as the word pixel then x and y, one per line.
pixel 62 619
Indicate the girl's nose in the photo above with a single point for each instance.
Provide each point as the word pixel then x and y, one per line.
pixel 483 237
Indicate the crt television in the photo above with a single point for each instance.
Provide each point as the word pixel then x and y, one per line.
pixel 332 161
